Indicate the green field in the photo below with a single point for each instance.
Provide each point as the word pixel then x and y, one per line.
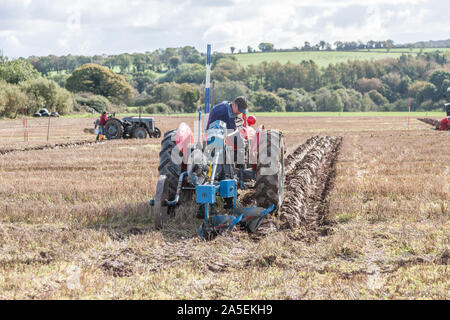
pixel 322 58
pixel 406 50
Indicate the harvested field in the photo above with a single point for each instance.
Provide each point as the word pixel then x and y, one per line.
pixel 75 222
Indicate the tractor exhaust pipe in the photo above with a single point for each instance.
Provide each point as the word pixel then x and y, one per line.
pixel 177 195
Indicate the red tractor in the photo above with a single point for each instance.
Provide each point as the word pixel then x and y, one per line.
pixel 187 168
pixel 445 123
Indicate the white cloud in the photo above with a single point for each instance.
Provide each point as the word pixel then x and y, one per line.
pixel 114 26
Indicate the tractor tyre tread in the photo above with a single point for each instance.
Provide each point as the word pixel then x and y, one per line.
pixel 166 165
pixel 269 188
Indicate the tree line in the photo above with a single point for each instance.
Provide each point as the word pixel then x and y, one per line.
pixel 381 85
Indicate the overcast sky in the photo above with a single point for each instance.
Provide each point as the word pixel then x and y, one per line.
pixel 41 27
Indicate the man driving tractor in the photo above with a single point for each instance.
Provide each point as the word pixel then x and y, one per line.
pixel 227 112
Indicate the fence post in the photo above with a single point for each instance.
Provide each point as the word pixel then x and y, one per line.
pixel 25 124
pixel 48 128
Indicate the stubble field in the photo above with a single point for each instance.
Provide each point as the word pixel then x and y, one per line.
pixel 75 220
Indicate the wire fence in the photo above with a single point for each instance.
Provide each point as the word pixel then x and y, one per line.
pixel 28 130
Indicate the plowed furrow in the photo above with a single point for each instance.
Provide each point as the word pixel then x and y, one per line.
pixel 51 146
pixel 310 172
pixel 433 122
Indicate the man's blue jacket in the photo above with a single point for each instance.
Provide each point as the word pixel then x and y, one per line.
pixel 222 112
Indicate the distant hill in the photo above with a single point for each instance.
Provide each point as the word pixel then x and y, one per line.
pixel 428 44
pixel 324 58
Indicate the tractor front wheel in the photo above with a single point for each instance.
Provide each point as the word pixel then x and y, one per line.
pixel 156 133
pixel 139 133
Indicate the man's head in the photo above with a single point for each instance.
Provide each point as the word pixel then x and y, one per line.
pixel 239 105
pixel 104 112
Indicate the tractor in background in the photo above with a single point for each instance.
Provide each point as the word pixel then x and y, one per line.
pixel 130 127
pixel 445 123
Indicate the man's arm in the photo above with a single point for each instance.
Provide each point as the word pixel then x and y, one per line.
pixel 231 123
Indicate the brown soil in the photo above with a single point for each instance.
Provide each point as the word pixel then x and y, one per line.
pixel 310 171
pixel 50 146
pixel 308 183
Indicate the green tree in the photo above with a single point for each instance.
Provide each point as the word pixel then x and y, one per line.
pixel 267 101
pixel 427 92
pixel 266 46
pixel 328 100
pixel 12 99
pixel 174 62
pixel 159 107
pixel 44 93
pixel 190 96
pixel 194 58
pixel 377 98
pixel 97 102
pixel 307 46
pixel 229 90
pixel 415 87
pixel 389 44
pixel 440 79
pixel 125 61
pixel 292 98
pixel 99 80
pixel 365 85
pixel 227 69
pixel 165 91
pixel 232 49
pixel 17 70
pixel 186 72
pixel 351 99
pixel 142 79
pixel 322 44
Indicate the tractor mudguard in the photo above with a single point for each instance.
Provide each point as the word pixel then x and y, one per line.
pixel 184 137
pixel 248 133
pixel 254 148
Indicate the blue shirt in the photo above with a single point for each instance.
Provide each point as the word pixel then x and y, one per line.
pixel 223 112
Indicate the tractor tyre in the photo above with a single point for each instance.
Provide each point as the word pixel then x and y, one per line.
pixel 139 133
pixel 113 129
pixel 167 166
pixel 270 170
pixel 156 133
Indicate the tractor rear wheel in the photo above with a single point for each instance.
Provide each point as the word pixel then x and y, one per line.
pixel 167 166
pixel 139 133
pixel 113 129
pixel 270 170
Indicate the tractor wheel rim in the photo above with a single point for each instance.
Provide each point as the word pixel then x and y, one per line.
pixel 112 130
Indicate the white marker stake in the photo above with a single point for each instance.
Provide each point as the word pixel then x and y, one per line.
pixel 207 86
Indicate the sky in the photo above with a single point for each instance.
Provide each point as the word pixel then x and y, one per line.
pixel 42 27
